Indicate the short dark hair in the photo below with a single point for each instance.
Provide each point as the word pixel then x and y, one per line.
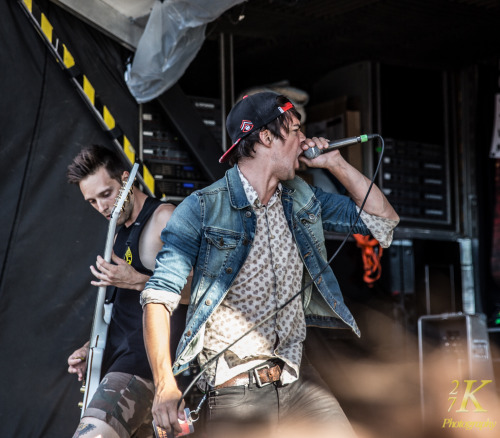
pixel 90 159
pixel 245 148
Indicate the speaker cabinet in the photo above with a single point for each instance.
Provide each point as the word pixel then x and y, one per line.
pixel 456 369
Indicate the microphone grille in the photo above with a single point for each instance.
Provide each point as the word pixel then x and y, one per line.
pixel 312 153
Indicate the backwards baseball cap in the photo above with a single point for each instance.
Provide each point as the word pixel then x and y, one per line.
pixel 250 114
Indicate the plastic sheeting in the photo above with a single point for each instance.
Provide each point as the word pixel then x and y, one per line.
pixel 173 36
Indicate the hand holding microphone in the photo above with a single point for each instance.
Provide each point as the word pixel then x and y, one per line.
pixel 336 144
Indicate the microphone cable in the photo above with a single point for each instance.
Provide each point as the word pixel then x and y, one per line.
pixel 267 318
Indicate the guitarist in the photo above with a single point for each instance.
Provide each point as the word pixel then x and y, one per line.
pixel 121 406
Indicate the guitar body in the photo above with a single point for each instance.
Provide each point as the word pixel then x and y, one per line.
pixel 94 362
pixel 97 345
pixel 102 311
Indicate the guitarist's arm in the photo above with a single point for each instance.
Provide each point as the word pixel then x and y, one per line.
pixel 149 246
pixel 118 272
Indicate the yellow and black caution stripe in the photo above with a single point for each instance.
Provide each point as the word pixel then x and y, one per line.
pixel 87 91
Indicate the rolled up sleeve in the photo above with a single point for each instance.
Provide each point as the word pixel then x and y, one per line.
pixel 380 227
pixel 169 299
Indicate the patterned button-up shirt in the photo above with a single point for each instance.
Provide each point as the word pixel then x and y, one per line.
pixel 271 275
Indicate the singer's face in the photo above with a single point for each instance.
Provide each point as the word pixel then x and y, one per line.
pixel 101 191
pixel 287 151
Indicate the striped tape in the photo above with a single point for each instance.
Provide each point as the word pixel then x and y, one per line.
pixel 66 60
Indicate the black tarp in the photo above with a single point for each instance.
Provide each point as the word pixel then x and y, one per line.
pixel 49 236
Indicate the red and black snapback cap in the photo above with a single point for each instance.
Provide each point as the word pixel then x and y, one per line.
pixel 250 114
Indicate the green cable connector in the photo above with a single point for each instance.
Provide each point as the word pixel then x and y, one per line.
pixel 496 318
pixel 363 138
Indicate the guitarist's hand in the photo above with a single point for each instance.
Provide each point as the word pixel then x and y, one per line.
pixel 119 274
pixel 78 362
pixel 164 410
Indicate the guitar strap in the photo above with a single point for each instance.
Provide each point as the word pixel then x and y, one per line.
pixel 111 294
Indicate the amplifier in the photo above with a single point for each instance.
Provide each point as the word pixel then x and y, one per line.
pixel 415 177
pixel 172 187
pixel 455 361
pixel 161 170
pixel 165 154
pixel 399 263
pixel 210 110
pixel 207 105
pixel 160 137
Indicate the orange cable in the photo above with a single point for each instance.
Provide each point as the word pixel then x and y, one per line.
pixel 371 252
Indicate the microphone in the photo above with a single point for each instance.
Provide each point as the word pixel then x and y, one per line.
pixel 315 151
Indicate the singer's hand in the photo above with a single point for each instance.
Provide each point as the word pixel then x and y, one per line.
pixel 323 160
pixel 164 409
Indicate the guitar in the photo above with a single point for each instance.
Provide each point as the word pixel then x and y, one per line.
pixel 102 311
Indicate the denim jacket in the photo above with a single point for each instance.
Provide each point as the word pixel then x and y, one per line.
pixel 212 230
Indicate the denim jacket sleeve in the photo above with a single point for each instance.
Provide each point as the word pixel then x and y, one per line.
pixel 339 212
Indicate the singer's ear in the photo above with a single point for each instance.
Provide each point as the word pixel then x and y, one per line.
pixel 266 138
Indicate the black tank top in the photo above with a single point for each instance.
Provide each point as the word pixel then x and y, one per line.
pixel 125 351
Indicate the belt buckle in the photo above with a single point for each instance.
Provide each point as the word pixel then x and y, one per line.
pixel 257 377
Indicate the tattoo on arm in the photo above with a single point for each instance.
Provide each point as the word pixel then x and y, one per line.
pixel 83 429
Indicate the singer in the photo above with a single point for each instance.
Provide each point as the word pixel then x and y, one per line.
pixel 254 238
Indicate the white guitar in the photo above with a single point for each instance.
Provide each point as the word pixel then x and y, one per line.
pixel 102 316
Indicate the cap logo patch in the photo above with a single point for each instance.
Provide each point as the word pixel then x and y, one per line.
pixel 246 126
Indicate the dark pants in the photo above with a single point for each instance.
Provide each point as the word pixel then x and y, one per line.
pixel 306 406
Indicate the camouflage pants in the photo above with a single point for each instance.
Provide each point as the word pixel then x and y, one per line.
pixel 124 402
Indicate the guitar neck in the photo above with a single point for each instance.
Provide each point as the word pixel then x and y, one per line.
pixel 99 325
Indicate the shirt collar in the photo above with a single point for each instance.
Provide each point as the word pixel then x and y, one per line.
pixel 252 195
